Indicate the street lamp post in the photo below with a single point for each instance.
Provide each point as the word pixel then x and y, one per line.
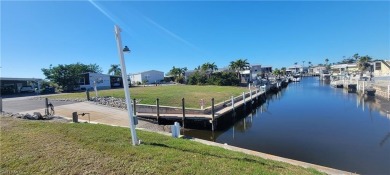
pixel 125 84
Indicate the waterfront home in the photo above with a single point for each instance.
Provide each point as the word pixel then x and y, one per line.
pixel 297 69
pixel 342 69
pixel 316 70
pixel 148 77
pixel 266 69
pixel 252 72
pixel 381 68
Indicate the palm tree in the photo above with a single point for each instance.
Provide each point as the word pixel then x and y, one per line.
pixel 115 69
pixel 356 56
pixel 213 67
pixel 238 65
pixel 233 65
pixel 283 69
pixel 309 63
pixel 326 61
pixel 364 64
pixel 209 68
pixel 242 64
pixel 204 67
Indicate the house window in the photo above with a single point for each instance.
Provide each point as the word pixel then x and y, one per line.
pixel 378 66
pixel 81 81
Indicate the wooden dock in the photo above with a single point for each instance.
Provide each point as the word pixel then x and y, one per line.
pixel 214 113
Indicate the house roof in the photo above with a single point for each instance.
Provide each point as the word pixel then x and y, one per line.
pixel 266 66
pixel 338 66
pixel 146 72
pixel 295 66
pixel 20 79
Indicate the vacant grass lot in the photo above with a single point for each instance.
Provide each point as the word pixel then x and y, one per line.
pixel 37 147
pixel 170 95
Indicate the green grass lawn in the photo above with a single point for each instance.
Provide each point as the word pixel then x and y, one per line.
pixel 38 147
pixel 170 95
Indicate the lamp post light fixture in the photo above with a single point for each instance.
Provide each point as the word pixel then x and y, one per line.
pixel 134 138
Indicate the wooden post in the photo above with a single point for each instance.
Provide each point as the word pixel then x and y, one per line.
pixel 357 86
pixel 87 92
pixel 388 92
pixel 184 110
pixel 158 110
pixel 212 114
pixel 75 117
pixel 243 98
pixel 134 107
pixel 47 106
pixel 251 95
pixel 233 103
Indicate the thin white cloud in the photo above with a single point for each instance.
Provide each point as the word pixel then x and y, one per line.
pixel 169 32
pixel 152 22
pixel 103 11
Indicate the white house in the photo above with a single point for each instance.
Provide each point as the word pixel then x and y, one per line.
pixel 88 80
pixel 148 77
pixel 316 70
pixel 296 69
pixel 251 73
pixel 344 68
pixel 266 69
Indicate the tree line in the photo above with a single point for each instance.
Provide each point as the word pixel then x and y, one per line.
pixel 67 76
pixel 208 74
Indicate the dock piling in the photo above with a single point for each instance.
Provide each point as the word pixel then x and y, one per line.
pixel 212 114
pixel 134 107
pixel 184 110
pixel 363 86
pixel 233 103
pixel 357 85
pixel 158 110
pixel 251 95
pixel 243 98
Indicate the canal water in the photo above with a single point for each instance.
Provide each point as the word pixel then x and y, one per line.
pixel 313 122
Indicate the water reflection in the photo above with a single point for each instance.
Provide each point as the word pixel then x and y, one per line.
pixel 313 122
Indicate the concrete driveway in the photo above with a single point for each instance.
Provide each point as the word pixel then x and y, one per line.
pixel 20 104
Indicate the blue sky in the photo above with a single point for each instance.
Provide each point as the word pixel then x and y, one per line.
pixel 187 34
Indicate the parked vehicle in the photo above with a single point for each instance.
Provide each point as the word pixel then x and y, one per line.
pixel 49 90
pixel 25 89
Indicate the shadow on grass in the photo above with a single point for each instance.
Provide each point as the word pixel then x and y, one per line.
pixel 218 156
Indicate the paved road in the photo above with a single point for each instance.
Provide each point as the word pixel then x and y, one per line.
pixel 20 104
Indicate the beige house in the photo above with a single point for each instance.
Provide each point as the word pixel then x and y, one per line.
pixel 382 68
pixel 344 69
pixel 316 70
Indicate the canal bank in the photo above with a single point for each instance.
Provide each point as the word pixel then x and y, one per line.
pixel 313 122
